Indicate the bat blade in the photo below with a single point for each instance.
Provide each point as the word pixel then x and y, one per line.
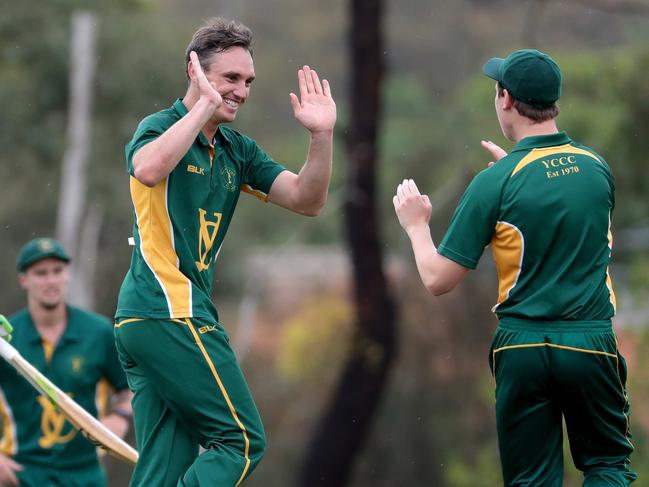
pixel 86 423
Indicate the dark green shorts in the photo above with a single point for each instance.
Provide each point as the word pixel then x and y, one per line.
pixel 188 391
pixel 548 371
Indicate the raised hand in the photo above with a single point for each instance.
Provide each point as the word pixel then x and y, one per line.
pixel 205 88
pixel 411 206
pixel 315 109
pixel 496 151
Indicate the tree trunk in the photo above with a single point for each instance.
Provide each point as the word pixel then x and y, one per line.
pixel 73 186
pixel 342 431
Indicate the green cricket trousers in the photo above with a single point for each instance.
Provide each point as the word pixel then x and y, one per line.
pixel 548 370
pixel 188 391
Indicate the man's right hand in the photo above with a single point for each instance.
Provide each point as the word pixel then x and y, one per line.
pixel 8 471
pixel 205 88
pixel 5 328
pixel 496 151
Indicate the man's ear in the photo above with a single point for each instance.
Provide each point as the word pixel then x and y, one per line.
pixel 508 101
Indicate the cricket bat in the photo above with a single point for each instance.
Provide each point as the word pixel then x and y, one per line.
pixel 81 419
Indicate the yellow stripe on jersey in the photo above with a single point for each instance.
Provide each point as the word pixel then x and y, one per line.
pixel 609 281
pixel 538 153
pixel 255 192
pixel 508 247
pixel 127 320
pixel 157 245
pixel 8 443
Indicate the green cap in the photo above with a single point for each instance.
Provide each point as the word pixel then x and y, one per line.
pixel 39 249
pixel 529 75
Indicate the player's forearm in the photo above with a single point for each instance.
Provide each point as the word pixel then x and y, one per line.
pixel 314 177
pixel 424 249
pixel 154 161
pixel 433 270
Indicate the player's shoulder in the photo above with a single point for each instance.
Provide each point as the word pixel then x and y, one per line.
pixel 499 170
pixel 589 152
pixel 19 318
pixel 160 120
pixel 235 137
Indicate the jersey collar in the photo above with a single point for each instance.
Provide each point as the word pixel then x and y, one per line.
pixel 181 110
pixel 72 333
pixel 536 141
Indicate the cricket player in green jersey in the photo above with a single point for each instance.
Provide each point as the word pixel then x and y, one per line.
pixel 545 209
pixel 75 349
pixel 187 171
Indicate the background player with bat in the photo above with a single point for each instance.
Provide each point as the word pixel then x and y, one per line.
pixel 75 350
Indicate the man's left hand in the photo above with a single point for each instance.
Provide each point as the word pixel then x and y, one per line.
pixel 315 108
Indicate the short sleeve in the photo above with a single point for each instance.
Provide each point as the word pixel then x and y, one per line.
pixel 473 222
pixel 260 169
pixel 147 131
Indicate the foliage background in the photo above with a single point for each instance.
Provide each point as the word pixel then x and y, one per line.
pixel 282 285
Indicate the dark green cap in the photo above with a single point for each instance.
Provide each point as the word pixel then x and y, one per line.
pixel 39 249
pixel 529 75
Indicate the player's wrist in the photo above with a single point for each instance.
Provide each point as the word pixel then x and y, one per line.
pixel 414 230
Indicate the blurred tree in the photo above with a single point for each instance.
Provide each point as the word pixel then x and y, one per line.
pixel 344 427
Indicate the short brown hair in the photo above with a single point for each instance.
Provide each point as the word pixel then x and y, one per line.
pixel 536 113
pixel 217 35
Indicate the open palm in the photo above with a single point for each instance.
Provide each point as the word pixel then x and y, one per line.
pixel 315 109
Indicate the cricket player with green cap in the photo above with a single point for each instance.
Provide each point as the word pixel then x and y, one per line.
pixel 187 170
pixel 545 208
pixel 75 349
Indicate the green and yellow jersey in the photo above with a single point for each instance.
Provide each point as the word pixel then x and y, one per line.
pixel 545 209
pixel 181 222
pixel 34 432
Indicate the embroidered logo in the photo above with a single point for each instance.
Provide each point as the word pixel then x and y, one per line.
pixel 229 179
pixel 206 329
pixel 196 170
pixel 45 244
pixel 206 238
pixel 52 425
pixel 77 364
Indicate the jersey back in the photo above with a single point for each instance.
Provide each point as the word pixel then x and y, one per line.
pixel 546 211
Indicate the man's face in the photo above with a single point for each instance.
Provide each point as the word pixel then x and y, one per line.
pixel 45 282
pixel 231 73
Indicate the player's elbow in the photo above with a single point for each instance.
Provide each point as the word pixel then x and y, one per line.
pixel 314 208
pixel 146 176
pixel 436 286
pixel 438 291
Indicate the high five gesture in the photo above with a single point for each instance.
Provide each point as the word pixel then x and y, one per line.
pixel 315 109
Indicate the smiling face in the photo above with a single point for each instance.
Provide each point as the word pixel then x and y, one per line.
pixel 45 282
pixel 231 73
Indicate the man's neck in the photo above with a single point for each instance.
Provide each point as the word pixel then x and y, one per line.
pixel 50 323
pixel 527 129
